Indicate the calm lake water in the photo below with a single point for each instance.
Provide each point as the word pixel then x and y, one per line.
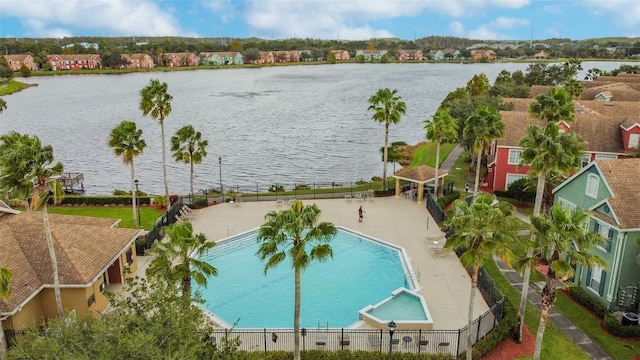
pixel 294 124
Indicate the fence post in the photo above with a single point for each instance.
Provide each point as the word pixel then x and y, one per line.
pixel 257 199
pixel 314 190
pixel 458 349
pixel 419 340
pixel 265 340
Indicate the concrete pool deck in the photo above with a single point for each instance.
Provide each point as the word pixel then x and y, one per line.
pixel 444 282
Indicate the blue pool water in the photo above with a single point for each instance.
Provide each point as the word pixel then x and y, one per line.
pixel 403 306
pixel 362 272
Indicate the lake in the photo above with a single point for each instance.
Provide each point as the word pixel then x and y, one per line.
pixel 291 124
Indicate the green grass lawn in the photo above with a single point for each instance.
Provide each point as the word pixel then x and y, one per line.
pixel 460 173
pixel 556 345
pixel 148 216
pixel 426 154
pixel 618 348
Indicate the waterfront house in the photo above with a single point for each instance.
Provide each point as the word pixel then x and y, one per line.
pixel 409 55
pixel 608 191
pixel 436 55
pixel 483 55
pixel 341 55
pixel 138 61
pixel 16 61
pixel 451 54
pixel 371 55
pixel 221 58
pixel 180 59
pixel 74 61
pixel 266 57
pixel 91 253
pixel 611 132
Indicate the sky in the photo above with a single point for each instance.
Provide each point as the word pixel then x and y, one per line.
pixel 322 19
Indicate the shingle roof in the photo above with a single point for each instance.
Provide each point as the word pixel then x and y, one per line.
pixel 84 247
pixel 622 176
pixel 420 174
pixel 617 91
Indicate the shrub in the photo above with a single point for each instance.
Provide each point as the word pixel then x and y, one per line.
pixel 502 193
pixel 521 190
pixel 276 188
pixel 160 200
pixel 201 202
pixel 503 330
pixel 302 187
pixel 614 325
pixel 103 200
pixel 443 201
pixel 361 182
pixel 388 192
pixel 119 192
pixel 588 301
pixel 376 178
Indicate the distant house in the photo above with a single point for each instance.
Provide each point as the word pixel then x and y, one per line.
pixel 409 55
pixel 541 55
pixel 436 55
pixel 138 61
pixel 180 59
pixel 74 62
pixel 266 57
pixel 341 55
pixel 618 91
pixel 483 55
pixel 608 191
pixel 16 61
pixel 287 56
pixel 91 253
pixel 221 58
pixel 369 55
pixel 452 54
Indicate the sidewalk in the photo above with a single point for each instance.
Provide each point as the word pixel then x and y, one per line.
pixel 576 335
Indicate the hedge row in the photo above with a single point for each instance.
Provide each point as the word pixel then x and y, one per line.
pixel 612 323
pixel 336 355
pixel 103 200
pixel 502 331
pixel 443 201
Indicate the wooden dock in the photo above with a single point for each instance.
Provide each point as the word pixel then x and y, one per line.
pixel 71 182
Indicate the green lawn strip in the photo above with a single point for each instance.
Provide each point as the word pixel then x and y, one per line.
pixel 148 216
pixel 618 348
pixel 556 345
pixel 426 154
pixel 12 86
pixel 460 174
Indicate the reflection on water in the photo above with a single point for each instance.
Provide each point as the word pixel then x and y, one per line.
pixel 296 124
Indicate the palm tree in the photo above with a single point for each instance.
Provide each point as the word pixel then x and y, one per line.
pixel 548 151
pixel 5 291
pixel 177 260
pixel 3 105
pixel 554 106
pixel 482 127
pixel 574 88
pixel 563 240
pixel 387 108
pixel 155 100
pixel 481 229
pixel 126 141
pixel 297 233
pixel 28 170
pixel 188 147
pixel 441 127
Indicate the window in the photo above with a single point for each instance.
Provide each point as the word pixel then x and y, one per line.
pixel 586 159
pixel 91 300
pixel 129 257
pixel 566 204
pixel 607 232
pixel 511 178
pixel 634 140
pixel 514 157
pixel 596 278
pixel 592 186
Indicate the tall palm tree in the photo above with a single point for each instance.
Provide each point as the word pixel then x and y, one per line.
pixel 548 151
pixel 556 105
pixel 441 127
pixel 188 147
pixel 574 88
pixel 28 169
pixel 5 291
pixel 482 228
pixel 563 240
pixel 126 141
pixel 176 260
pixel 387 108
pixel 156 101
pixel 482 127
pixel 295 232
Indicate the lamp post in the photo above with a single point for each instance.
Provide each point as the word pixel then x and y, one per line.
pixel 136 182
pixel 221 190
pixel 392 328
pixel 466 191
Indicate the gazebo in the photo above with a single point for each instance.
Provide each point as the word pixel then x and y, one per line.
pixel 421 175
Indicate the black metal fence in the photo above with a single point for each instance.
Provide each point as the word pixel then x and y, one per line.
pixel 434 208
pixel 156 233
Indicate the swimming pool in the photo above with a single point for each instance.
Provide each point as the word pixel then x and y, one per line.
pixel 363 271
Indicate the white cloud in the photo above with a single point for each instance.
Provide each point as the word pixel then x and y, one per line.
pixel 621 14
pixel 507 23
pixel 61 18
pixel 457 28
pixel 492 30
pixel 553 9
pixel 224 9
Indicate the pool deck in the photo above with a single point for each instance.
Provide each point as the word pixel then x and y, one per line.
pixel 444 282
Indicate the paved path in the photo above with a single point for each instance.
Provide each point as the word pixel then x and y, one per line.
pixel 451 159
pixel 576 335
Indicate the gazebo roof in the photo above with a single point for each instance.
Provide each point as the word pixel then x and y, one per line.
pixel 420 174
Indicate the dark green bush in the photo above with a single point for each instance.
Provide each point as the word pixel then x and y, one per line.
pixel 276 188
pixel 443 201
pixel 388 192
pixel 614 326
pixel 302 187
pixel 103 200
pixel 502 193
pixel 522 190
pixel 502 331
pixel 588 301
pixel 201 202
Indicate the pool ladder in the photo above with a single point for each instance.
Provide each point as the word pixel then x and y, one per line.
pixel 414 273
